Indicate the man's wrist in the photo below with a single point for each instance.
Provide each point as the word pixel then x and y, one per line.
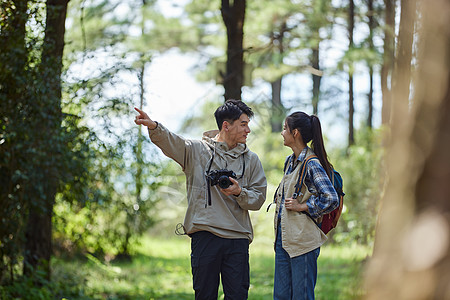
pixel 155 125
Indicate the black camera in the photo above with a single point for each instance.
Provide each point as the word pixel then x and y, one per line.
pixel 220 177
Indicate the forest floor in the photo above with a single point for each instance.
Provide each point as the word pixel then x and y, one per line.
pixel 160 269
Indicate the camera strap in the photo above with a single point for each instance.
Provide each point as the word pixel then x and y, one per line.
pixel 208 180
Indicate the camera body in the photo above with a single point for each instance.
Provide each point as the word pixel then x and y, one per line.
pixel 220 177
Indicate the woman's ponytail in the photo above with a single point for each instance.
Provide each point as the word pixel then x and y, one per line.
pixel 318 145
pixel 311 130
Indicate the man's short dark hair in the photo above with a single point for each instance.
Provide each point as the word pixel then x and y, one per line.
pixel 231 111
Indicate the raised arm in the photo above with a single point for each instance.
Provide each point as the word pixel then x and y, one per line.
pixel 171 144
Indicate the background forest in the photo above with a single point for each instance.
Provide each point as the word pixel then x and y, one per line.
pixel 88 206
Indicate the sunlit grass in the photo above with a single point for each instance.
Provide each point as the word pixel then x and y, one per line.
pixel 160 269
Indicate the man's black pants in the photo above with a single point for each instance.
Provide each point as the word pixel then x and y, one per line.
pixel 212 255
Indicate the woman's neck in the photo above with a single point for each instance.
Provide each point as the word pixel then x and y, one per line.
pixel 297 149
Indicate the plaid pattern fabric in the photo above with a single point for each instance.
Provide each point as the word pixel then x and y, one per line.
pixel 324 199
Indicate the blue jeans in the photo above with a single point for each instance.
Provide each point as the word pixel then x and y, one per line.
pixel 295 278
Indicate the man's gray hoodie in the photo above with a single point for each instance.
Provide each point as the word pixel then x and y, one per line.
pixel 227 216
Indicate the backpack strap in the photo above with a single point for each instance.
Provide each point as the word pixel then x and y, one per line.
pixel 301 179
pixel 302 175
pixel 286 162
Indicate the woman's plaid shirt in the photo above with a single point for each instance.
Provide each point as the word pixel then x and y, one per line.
pixel 324 199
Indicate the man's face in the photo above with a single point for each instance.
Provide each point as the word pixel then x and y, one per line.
pixel 238 131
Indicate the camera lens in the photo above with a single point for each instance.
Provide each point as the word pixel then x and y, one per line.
pixel 224 182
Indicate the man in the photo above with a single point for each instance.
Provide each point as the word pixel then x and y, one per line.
pixel 217 218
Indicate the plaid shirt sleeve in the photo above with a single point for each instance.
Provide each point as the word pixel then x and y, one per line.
pixel 324 199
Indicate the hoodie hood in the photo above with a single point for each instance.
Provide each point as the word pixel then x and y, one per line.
pixel 210 138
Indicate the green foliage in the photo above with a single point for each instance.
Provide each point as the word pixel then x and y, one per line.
pixel 112 210
pixel 36 158
pixel 67 283
pixel 110 217
pixel 361 170
pixel 197 122
pixel 281 34
pixel 49 145
pixel 117 204
pixel 358 54
pixel 206 17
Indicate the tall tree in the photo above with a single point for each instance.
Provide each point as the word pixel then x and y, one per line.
pixel 316 77
pixel 351 109
pixel 277 115
pixel 371 24
pixel 413 260
pixel 317 17
pixel 14 77
pixel 271 42
pixel 233 14
pixel 38 246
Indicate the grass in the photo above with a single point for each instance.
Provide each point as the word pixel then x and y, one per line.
pixel 160 269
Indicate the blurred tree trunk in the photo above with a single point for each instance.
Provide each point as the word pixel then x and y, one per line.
pixel 402 68
pixel 233 14
pixel 318 20
pixel 412 249
pixel 278 111
pixel 388 60
pixel 38 244
pixel 351 110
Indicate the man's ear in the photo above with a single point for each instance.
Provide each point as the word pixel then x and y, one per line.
pixel 225 125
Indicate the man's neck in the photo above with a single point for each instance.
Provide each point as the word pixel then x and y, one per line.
pixel 221 138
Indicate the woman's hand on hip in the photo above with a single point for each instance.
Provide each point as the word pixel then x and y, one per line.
pixel 292 204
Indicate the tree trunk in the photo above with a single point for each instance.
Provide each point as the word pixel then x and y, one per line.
pixel 388 60
pixel 372 49
pixel 316 79
pixel 402 69
pixel 277 113
pixel 139 159
pixel 38 245
pixel 412 250
pixel 370 99
pixel 351 110
pixel 233 16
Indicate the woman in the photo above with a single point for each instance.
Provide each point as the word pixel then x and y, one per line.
pixel 298 237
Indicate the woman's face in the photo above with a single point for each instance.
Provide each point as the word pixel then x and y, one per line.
pixel 288 136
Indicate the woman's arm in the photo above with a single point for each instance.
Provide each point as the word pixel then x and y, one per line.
pixel 326 199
